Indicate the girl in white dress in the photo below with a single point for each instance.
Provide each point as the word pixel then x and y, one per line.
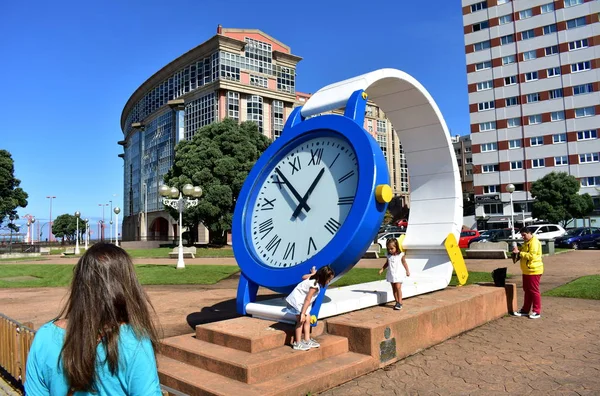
pixel 395 274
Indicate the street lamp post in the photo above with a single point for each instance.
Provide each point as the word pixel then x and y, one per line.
pixel 102 228
pixel 117 211
pixel 180 204
pixel 87 232
pixel 31 229
pixel 510 188
pixel 50 234
pixel 11 218
pixel 77 216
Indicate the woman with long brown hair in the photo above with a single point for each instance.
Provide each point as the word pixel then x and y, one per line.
pixel 104 341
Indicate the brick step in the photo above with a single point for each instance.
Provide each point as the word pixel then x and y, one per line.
pixel 250 334
pixel 244 366
pixel 313 378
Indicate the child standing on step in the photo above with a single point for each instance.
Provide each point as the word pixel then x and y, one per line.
pixel 300 301
pixel 395 274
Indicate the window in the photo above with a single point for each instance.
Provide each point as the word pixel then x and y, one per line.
pixel 277 118
pixel 529 55
pixel 493 209
pixel 553 71
pixel 490 168
pixel 503 2
pixel 548 29
pixel 562 160
pixel 590 181
pixel 537 163
pixel 514 144
pixel 478 6
pixel 583 89
pixel 485 105
pixel 258 81
pixel 526 14
pixel 489 147
pixel 482 86
pixel 513 122
pixel 585 112
pixel 491 189
pixel 571 3
pixel 516 165
pixel 507 39
pixel 286 79
pixel 483 65
pixel 527 34
pixel 557 115
pixel 512 101
pixel 559 138
pixel 589 157
pixel 480 26
pixel 587 135
pixel 487 126
pixel 469 160
pixel 535 119
pixel 537 141
pixel 547 8
pixel 254 111
pixel 233 105
pixel 482 45
pixel 533 97
pixel 505 19
pixel 578 44
pixel 531 76
pixel 552 50
pixel 575 23
pixel 580 66
pixel 507 60
pixel 556 93
pixel 510 80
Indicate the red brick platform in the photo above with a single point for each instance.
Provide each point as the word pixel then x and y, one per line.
pixel 247 356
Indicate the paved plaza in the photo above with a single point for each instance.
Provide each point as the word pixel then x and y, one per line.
pixel 557 354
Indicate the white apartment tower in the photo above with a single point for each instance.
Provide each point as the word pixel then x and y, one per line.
pixel 533 71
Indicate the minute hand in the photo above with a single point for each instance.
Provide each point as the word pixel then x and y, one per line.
pixel 292 189
pixel 305 198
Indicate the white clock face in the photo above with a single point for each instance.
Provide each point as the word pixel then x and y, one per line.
pixel 304 201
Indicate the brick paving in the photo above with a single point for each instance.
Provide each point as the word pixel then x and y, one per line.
pixel 557 354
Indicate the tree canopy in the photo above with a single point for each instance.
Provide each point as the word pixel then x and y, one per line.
pixel 65 226
pixel 218 159
pixel 11 195
pixel 557 198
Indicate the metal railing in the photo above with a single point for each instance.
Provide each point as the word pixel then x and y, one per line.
pixel 15 341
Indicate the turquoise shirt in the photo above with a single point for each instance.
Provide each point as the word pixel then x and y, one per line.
pixel 136 375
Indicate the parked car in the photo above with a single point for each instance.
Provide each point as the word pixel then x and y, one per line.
pixel 389 228
pixel 382 238
pixel 466 236
pixel 545 231
pixel 402 223
pixel 578 238
pixel 494 235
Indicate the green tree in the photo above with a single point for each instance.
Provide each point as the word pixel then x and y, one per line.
pixel 557 198
pixel 11 195
pixel 218 158
pixel 65 226
pixel 387 217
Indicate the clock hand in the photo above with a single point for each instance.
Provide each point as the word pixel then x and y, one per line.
pixel 310 190
pixel 292 189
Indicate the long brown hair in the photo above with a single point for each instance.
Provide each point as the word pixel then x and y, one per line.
pixel 323 275
pixel 104 294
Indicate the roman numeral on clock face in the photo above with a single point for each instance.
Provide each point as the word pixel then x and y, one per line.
pixel 315 156
pixel 295 165
pixel 268 205
pixel 332 226
pixel 265 227
pixel 346 177
pixel 345 200
pixel 311 242
pixel 273 244
pixel 289 251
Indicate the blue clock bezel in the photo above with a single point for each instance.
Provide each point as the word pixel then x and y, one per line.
pixel 361 224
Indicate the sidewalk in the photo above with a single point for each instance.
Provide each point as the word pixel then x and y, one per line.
pixel 559 353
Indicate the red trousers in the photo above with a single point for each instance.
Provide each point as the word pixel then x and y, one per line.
pixel 533 298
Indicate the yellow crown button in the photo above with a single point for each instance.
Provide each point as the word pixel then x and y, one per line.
pixel 383 193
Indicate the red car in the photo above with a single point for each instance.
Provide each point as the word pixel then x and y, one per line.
pixel 466 236
pixel 403 223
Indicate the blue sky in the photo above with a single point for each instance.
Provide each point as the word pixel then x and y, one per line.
pixel 68 68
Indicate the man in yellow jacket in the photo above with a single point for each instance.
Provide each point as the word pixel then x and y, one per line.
pixel 532 268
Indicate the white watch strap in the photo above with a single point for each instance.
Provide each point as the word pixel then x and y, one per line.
pixel 435 188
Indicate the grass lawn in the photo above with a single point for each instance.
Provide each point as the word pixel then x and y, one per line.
pixel 362 275
pixel 23 259
pixel 584 287
pixel 47 275
pixel 163 252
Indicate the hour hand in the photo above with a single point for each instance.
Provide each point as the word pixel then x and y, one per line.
pixel 293 190
pixel 305 197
